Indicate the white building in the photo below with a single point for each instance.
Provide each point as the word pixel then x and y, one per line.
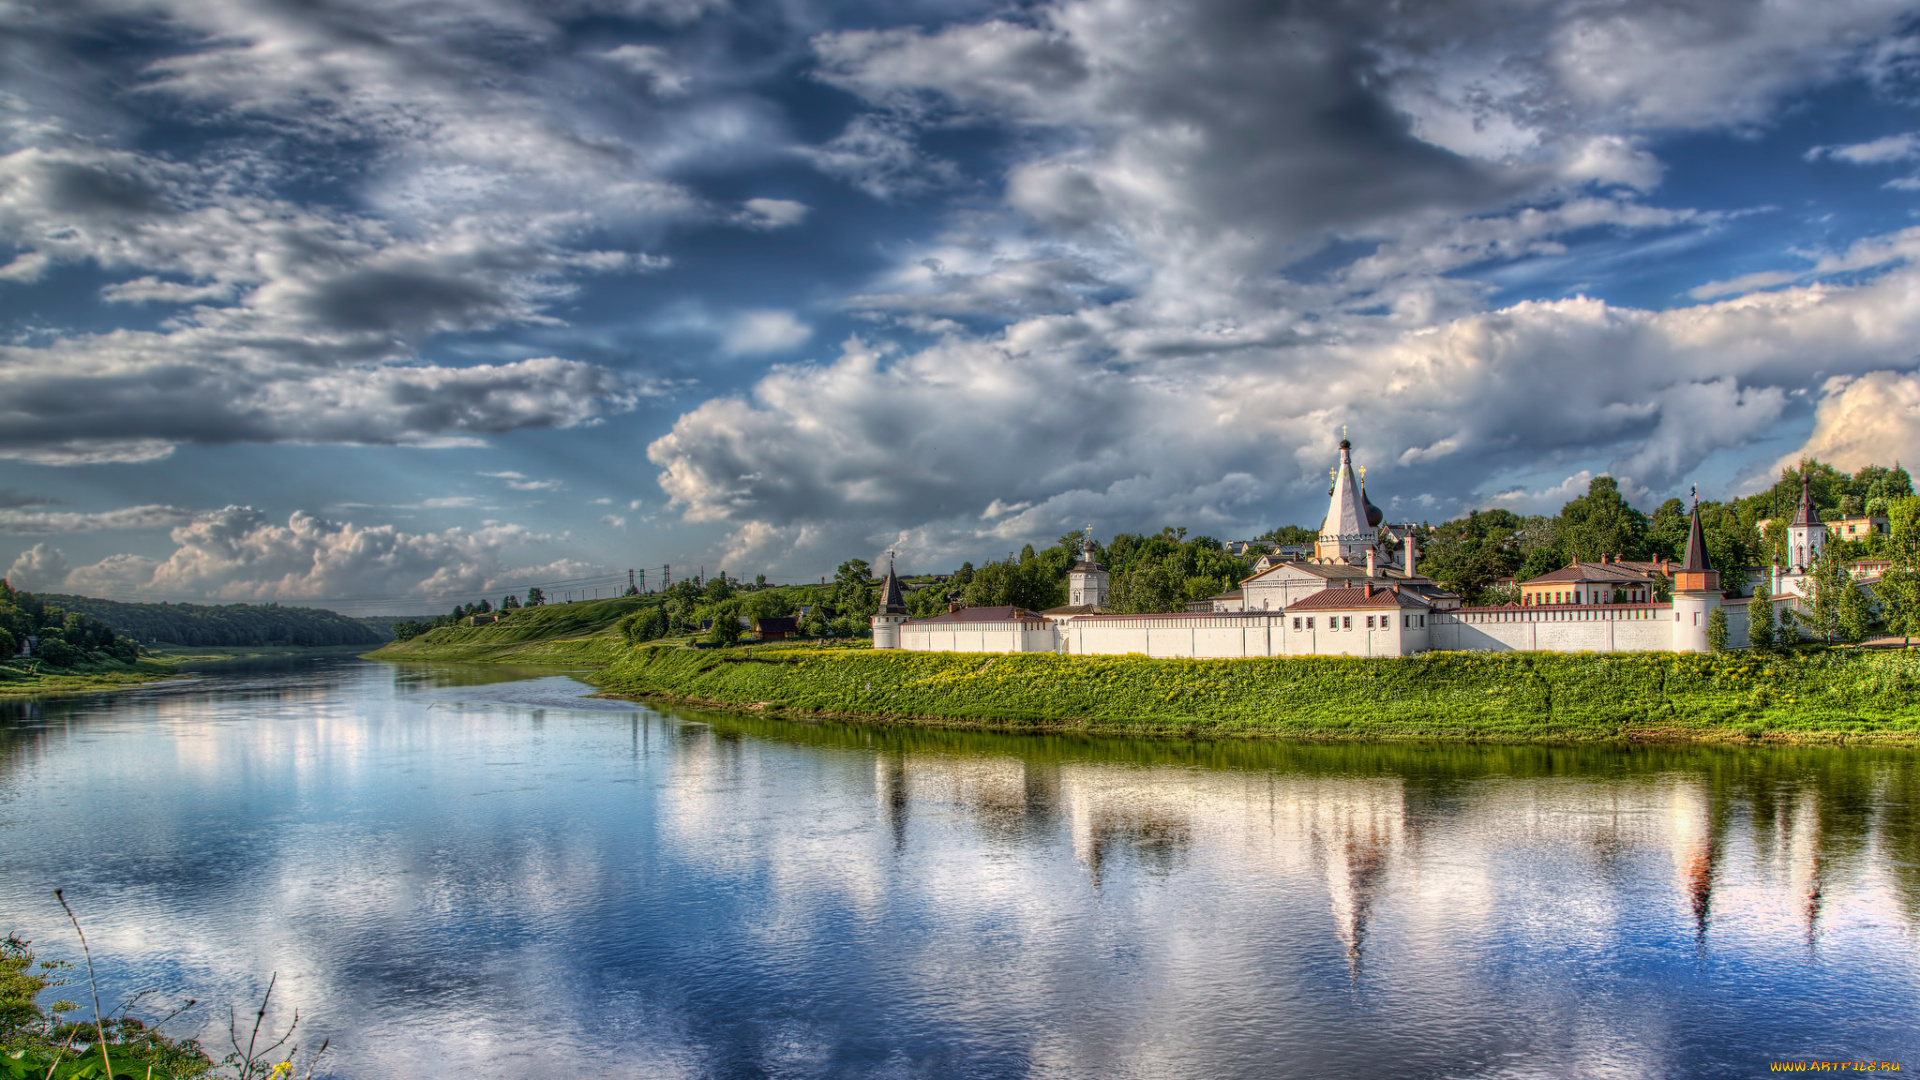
pixel 1361 595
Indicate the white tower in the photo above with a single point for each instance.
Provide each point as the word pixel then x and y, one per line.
pixel 893 611
pixel 1807 536
pixel 1346 535
pixel 1696 592
pixel 1086 582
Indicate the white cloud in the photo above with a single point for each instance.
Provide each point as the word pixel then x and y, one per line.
pixel 312 348
pixel 1866 253
pixel 40 568
pixel 521 482
pixel 1080 418
pixel 1870 419
pixel 772 213
pixel 1882 151
pixel 663 76
pixel 755 332
pixel 237 553
pixel 1545 501
pixel 880 156
pixel 52 522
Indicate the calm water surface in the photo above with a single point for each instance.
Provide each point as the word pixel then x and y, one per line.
pixel 480 873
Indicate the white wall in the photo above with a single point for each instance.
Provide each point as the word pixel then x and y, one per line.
pixel 1245 634
pixel 991 637
pixel 1632 628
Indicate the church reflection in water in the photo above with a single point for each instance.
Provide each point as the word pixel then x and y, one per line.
pixel 1746 853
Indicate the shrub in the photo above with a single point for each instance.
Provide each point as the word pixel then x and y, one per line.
pixel 1717 630
pixel 56 652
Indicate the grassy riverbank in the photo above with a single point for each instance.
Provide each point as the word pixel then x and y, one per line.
pixel 1815 696
pixel 579 635
pixel 22 678
pixel 19 680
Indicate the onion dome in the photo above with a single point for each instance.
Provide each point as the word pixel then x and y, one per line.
pixel 1375 515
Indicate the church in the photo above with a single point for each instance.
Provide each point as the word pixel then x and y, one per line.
pixel 1359 594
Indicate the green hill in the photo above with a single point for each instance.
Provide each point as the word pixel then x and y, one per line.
pixel 564 634
pixel 224 625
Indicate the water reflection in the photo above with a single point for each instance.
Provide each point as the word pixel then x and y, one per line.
pixel 458 873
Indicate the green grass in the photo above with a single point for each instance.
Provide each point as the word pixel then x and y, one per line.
pixel 20 679
pixel 556 635
pixel 1839 695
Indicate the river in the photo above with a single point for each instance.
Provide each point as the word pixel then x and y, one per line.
pixel 481 873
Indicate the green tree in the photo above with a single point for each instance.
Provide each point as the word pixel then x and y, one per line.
pixel 986 586
pixel 1717 629
pixel 1760 617
pixel 1601 523
pixel 1146 588
pixel 1668 531
pixel 640 627
pixel 1469 554
pixel 1828 582
pixel 1290 535
pixel 55 651
pixel 536 598
pixel 726 626
pixel 1855 616
pixel 926 603
pixel 1899 589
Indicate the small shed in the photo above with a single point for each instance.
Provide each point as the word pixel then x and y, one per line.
pixel 773 629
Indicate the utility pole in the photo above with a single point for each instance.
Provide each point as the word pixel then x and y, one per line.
pixel 666 572
pixel 643 581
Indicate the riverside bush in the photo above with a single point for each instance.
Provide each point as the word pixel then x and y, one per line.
pixel 1812 695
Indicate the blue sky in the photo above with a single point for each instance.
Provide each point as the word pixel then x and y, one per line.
pixel 391 304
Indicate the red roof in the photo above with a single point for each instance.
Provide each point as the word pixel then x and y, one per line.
pixel 1004 613
pixel 1578 572
pixel 1364 596
pixel 1662 604
pixel 1177 615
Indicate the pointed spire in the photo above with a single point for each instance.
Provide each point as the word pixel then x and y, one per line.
pixel 1696 560
pixel 1806 515
pixel 893 596
pixel 1346 533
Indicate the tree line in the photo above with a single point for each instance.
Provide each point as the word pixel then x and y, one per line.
pixel 224 625
pixel 1471 554
pixel 1164 571
pixel 63 638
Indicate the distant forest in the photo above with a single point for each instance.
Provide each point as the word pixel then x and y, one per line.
pixel 224 625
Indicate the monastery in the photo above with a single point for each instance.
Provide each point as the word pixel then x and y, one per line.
pixel 1361 594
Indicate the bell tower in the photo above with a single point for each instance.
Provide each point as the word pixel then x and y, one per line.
pixel 1087 582
pixel 1347 534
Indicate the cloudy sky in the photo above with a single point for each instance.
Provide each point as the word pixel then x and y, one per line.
pixel 388 302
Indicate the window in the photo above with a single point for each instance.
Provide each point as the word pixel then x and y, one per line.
pixel 1296 622
pixel 1406 622
pixel 1309 622
pixel 1423 620
pixel 1346 622
pixel 1369 622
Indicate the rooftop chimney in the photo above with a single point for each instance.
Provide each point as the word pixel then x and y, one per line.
pixel 1372 571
